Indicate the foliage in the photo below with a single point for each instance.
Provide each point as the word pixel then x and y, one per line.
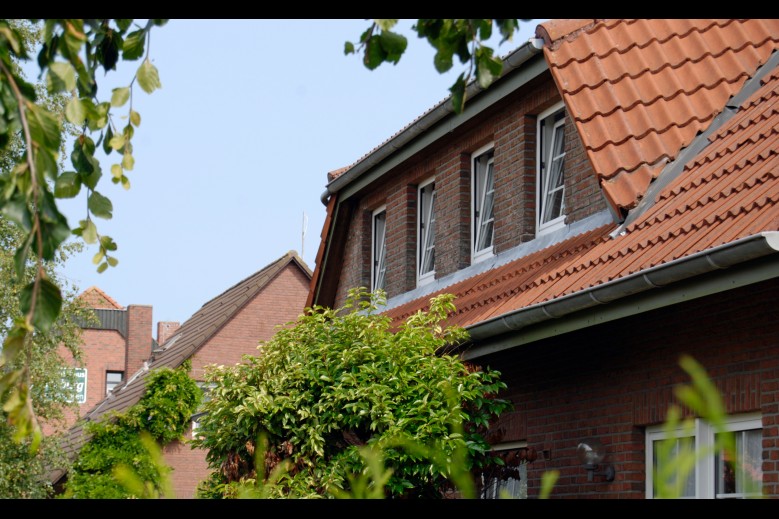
pixel 338 380
pixel 72 52
pixel 464 38
pixel 119 454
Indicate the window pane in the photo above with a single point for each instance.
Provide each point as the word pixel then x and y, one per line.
pixel 743 476
pixel 484 191
pixel 379 249
pixel 669 456
pixel 112 379
pixel 553 183
pixel 427 229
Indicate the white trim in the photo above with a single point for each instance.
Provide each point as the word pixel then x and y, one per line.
pixel 558 222
pixel 382 209
pixel 428 277
pixel 488 251
pixel 703 433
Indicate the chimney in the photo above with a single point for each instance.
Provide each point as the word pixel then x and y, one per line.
pixel 165 329
pixel 139 327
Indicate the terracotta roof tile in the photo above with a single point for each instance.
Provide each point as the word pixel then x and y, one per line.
pixel 96 298
pixel 639 91
pixel 730 191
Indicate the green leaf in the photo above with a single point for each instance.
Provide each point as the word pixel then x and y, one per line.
pixel 443 60
pixel 100 206
pixel 88 231
pixel 148 77
pixel 128 162
pixel 20 256
pixel 75 111
pixel 46 164
pixel 67 185
pixel 102 268
pixel 348 48
pixel 123 23
pixel 109 133
pixel 61 76
pixel 117 141
pixel 116 171
pixel 44 127
pixel 97 258
pixel 393 44
pixel 48 303
pixel 488 68
pixel 112 261
pixel 133 45
pixel 17 211
pixel 458 94
pixel 107 243
pixel 119 96
pixel 109 50
pixel 135 118
pixel 374 54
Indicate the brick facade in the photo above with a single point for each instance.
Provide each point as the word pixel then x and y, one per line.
pixel 511 126
pixel 614 379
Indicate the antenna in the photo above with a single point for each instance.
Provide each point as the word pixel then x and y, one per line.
pixel 303 236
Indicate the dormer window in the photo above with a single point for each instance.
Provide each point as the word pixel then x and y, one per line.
pixel 482 203
pixel 426 233
pixel 550 185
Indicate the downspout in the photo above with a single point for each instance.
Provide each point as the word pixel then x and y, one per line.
pixel 720 257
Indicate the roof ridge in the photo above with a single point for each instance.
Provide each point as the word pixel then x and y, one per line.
pixel 556 30
pixel 101 293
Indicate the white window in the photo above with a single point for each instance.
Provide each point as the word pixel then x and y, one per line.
pixel 426 233
pixel 711 475
pixel 550 156
pixel 112 379
pixel 508 481
pixel 482 206
pixel 378 248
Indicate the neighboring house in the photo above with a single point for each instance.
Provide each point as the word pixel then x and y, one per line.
pixel 116 343
pixel 220 332
pixel 606 206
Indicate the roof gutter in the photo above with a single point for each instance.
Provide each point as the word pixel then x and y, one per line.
pixel 720 257
pixel 510 63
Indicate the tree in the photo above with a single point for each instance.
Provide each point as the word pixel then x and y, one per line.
pixel 71 54
pixel 337 380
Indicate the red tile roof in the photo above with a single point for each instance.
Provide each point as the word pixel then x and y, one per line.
pixel 639 91
pixel 729 191
pixel 96 298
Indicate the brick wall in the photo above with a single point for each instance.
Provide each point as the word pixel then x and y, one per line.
pixel 102 350
pixel 613 380
pixel 511 126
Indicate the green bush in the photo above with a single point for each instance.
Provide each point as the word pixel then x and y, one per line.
pixel 336 382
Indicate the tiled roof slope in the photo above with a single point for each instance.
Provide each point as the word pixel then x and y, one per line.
pixel 729 191
pixel 639 91
pixel 96 298
pixel 189 338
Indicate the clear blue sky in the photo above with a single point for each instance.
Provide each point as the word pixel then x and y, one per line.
pixel 235 149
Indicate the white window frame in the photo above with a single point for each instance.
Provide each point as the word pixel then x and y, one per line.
pixel 541 179
pixel 423 227
pixel 478 195
pixel 703 433
pixel 121 380
pixel 519 485
pixel 382 253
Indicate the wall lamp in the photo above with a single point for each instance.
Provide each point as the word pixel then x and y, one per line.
pixel 591 453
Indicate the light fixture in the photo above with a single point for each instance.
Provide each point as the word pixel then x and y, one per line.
pixel 591 453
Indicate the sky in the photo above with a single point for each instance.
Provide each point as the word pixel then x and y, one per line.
pixel 233 151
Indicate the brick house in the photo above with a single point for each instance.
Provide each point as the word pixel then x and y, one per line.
pixel 606 206
pixel 220 332
pixel 117 343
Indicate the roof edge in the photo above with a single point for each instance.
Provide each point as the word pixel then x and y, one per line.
pixel 511 62
pixel 680 269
